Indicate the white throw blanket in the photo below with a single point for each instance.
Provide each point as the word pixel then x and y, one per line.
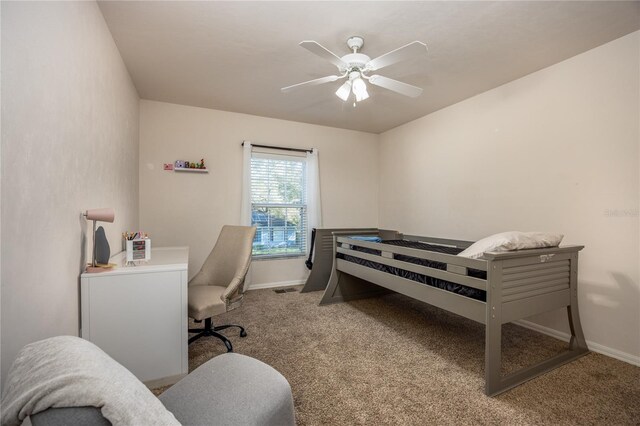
pixel 68 371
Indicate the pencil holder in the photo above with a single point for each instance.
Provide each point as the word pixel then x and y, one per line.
pixel 138 249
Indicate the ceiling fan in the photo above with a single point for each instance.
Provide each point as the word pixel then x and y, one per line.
pixel 357 66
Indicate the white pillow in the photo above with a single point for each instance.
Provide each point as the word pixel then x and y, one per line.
pixel 513 240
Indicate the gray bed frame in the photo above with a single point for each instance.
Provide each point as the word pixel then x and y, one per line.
pixel 519 284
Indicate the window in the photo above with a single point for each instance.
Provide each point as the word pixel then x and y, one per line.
pixel 278 205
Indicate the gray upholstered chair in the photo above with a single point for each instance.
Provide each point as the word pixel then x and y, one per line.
pixel 230 389
pixel 219 286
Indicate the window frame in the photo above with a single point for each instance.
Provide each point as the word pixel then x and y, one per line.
pixel 303 205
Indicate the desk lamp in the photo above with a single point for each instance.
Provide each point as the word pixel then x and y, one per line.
pixel 102 215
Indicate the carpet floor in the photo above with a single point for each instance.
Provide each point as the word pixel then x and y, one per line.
pixel 394 360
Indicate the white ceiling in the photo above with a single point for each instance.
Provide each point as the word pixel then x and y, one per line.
pixel 235 56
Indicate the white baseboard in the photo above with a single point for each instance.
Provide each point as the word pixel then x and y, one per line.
pixel 593 346
pixel 274 285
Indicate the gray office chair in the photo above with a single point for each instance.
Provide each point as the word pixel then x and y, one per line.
pixel 219 286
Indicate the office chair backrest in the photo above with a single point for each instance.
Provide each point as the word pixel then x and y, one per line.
pixel 230 258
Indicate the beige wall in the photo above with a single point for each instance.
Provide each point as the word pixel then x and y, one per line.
pixel 69 142
pixel 556 150
pixel 190 209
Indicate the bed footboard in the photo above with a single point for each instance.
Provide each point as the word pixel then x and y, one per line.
pixel 323 256
pixel 344 287
pixel 525 283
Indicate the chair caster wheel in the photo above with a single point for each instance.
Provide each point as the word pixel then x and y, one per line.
pixel 243 333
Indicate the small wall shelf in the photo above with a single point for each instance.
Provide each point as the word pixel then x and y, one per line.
pixel 184 169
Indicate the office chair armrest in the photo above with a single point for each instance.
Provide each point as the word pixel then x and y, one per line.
pixel 233 288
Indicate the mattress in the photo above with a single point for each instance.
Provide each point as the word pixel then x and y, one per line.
pixel 424 279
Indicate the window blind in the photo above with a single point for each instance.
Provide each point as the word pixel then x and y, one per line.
pixel 278 205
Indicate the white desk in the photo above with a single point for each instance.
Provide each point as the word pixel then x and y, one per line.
pixel 138 314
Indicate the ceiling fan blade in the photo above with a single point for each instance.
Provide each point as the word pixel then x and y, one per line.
pixel 323 52
pixel 315 82
pixel 405 52
pixel 396 86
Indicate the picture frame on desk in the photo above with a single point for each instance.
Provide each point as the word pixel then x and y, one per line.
pixel 138 249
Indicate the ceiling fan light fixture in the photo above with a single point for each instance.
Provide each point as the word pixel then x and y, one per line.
pixel 344 91
pixel 360 89
pixel 357 66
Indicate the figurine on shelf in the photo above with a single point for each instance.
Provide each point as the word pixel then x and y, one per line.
pixel 192 165
pixel 201 166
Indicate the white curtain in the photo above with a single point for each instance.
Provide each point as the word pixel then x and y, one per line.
pixel 245 212
pixel 314 204
pixel 245 209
